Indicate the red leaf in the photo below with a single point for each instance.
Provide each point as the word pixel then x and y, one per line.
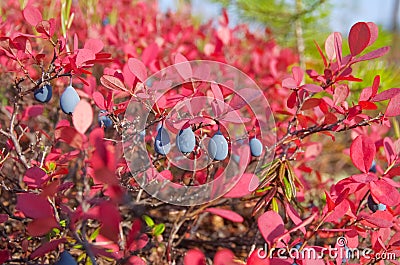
pixel 366 105
pixel 381 219
pixel 362 152
pixel 385 193
pixel 375 85
pixel 338 47
pixel 373 29
pixel 244 186
pixel 112 82
pixel 3 218
pixel 329 202
pixel 135 260
pixel 234 117
pixel 359 38
pixel 311 103
pixel 224 34
pixel 289 83
pixel 99 100
pixel 298 74
pixel 46 248
pixel 150 53
pixel 227 214
pixel 387 94
pixel 372 55
pixel 35 177
pixel 95 45
pixel 110 218
pixel 194 257
pixel 82 117
pixel 364 178
pixel 291 102
pixel 34 206
pixel 393 108
pixel 46 27
pixel 271 226
pixel 136 239
pixel 83 56
pixel 330 47
pixel 389 150
pixel 224 257
pixel 32 15
pixel 183 66
pixel 4 256
pixel 321 53
pixel 32 111
pixel 70 136
pixel 41 226
pixel 340 94
pixel 295 217
pixel 218 103
pixel 138 69
pixel 244 97
pixel 312 88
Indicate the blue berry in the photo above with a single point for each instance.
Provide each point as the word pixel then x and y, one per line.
pixel 44 93
pixel 106 21
pixel 104 120
pixel 69 99
pixel 186 140
pixel 373 167
pixel 373 206
pixel 218 147
pixel 162 144
pixel 66 259
pixel 298 246
pixel 256 147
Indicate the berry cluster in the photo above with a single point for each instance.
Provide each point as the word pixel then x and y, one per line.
pixel 186 142
pixel 68 100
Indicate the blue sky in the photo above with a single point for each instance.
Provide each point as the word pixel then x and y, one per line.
pixel 344 14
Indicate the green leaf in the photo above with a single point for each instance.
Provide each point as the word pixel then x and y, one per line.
pixel 88 262
pixel 95 234
pixel 52 166
pixel 81 256
pixel 274 205
pixel 78 246
pixel 287 188
pixel 56 231
pixel 148 220
pixel 158 229
pixel 63 223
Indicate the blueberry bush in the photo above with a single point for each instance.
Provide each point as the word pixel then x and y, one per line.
pixel 68 191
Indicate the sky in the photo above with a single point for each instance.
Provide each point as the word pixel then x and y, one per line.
pixel 344 14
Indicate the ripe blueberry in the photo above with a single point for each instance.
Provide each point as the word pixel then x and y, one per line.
pixel 186 140
pixel 44 93
pixel 103 119
pixel 66 259
pixel 69 99
pixel 218 147
pixel 373 167
pixel 373 206
pixel 255 147
pixel 162 144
